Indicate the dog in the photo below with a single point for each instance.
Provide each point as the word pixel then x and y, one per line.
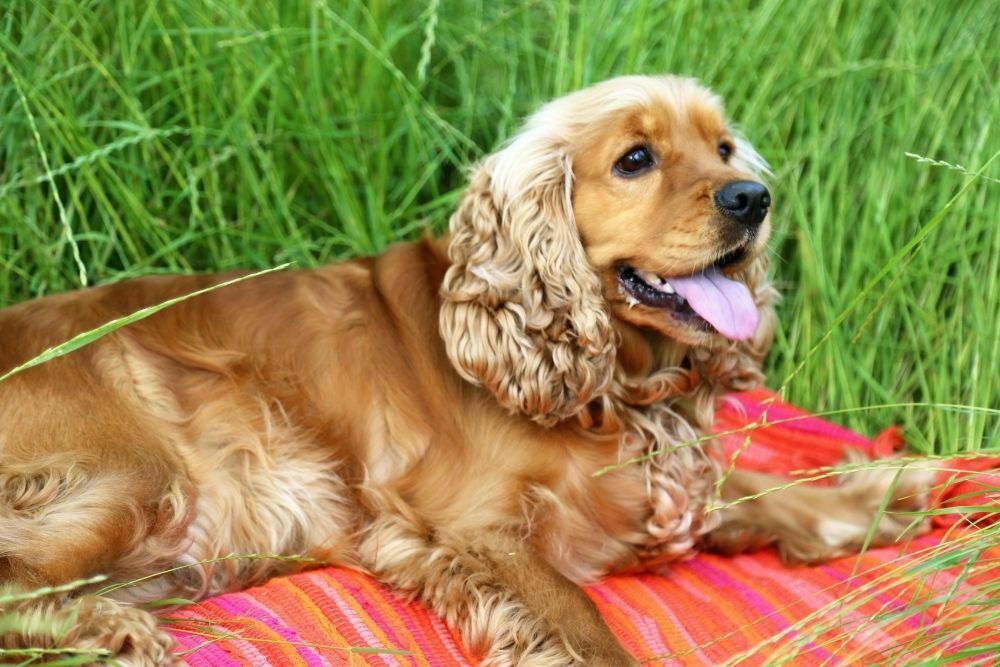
pixel 438 415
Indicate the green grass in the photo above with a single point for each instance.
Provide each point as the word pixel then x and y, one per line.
pixel 193 135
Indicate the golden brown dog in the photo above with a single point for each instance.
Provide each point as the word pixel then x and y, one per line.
pixel 435 414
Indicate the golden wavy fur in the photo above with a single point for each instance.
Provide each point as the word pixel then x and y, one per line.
pixel 435 414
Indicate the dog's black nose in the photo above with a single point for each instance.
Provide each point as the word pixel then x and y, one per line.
pixel 744 201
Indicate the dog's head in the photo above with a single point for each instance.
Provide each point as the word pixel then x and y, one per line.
pixel 630 203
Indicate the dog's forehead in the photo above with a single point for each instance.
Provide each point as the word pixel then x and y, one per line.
pixel 692 111
pixel 661 126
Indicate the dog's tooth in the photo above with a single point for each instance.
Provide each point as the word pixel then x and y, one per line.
pixel 656 281
pixel 648 277
pixel 631 301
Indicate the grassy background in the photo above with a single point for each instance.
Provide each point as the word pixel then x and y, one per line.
pixel 186 135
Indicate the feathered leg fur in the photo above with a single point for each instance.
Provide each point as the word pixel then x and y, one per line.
pixel 809 523
pixel 507 602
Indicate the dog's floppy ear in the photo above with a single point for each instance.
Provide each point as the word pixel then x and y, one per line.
pixel 522 310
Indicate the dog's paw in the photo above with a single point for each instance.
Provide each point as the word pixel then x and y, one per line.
pixel 93 629
pixel 876 505
pixel 129 634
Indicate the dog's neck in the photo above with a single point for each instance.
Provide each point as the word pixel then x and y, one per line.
pixel 643 351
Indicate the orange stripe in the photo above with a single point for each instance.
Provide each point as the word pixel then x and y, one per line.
pixel 311 623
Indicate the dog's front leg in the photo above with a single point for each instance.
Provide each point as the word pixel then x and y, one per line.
pixel 507 602
pixel 810 524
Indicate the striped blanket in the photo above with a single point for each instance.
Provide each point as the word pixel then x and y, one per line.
pixel 885 606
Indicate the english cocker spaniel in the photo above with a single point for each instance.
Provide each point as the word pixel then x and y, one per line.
pixel 434 415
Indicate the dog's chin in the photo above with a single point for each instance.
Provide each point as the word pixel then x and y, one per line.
pixel 710 307
pixel 682 330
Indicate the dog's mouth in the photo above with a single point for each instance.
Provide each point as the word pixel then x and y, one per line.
pixel 706 300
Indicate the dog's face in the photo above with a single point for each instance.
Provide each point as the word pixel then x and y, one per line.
pixel 630 202
pixel 669 214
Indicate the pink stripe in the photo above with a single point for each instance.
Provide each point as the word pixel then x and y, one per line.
pixel 797 420
pixel 641 623
pixel 206 655
pixel 249 654
pixel 767 609
pixel 678 625
pixel 444 635
pixel 880 595
pixel 815 598
pixel 245 605
pixel 739 589
pixel 249 606
pixel 694 592
pixel 374 613
pixel 357 622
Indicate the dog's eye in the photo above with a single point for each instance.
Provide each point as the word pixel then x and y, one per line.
pixel 635 160
pixel 725 150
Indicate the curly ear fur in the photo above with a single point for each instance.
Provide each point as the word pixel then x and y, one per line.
pixel 522 310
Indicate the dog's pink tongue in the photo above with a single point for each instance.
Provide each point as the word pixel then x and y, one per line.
pixel 725 303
